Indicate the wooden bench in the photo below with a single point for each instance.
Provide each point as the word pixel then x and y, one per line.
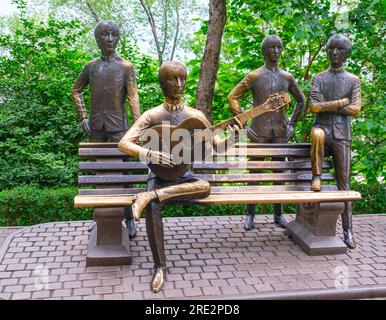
pixel 115 177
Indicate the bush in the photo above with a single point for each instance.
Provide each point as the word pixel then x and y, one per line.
pixel 31 205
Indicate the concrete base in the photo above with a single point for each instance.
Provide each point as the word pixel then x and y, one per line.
pixel 108 255
pixel 109 242
pixel 314 228
pixel 315 245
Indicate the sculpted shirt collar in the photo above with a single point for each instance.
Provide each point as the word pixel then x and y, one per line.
pixel 272 69
pixel 109 58
pixel 336 70
pixel 173 107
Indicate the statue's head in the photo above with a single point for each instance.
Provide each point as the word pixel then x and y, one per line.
pixel 338 49
pixel 172 78
pixel 107 36
pixel 272 47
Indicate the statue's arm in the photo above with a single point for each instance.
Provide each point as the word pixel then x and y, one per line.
pixel 298 95
pixel 318 103
pixel 129 142
pixel 132 93
pixel 354 106
pixel 77 92
pixel 237 93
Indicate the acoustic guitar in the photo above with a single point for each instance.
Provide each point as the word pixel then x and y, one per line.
pixel 183 140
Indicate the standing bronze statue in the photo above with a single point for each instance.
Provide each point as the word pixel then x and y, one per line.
pixel 172 77
pixel 269 127
pixel 335 98
pixel 111 80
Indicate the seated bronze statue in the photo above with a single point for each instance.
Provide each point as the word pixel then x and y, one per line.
pixel 172 77
pixel 335 98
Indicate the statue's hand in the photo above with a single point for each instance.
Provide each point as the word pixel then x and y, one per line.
pixel 235 128
pixel 162 158
pixel 345 102
pixel 290 131
pixel 86 127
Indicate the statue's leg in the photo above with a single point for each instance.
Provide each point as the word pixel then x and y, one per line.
pixel 341 155
pixel 318 140
pixel 278 217
pixel 184 189
pixel 155 234
pixel 251 208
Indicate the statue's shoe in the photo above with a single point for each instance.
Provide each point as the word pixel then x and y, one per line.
pixel 248 224
pixel 316 183
pixel 279 220
pixel 131 228
pixel 159 278
pixel 141 201
pixel 348 239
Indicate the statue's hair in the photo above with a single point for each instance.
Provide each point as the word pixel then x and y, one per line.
pixel 173 66
pixel 340 37
pixel 268 39
pixel 101 24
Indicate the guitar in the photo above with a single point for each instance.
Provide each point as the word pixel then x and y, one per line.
pixel 169 139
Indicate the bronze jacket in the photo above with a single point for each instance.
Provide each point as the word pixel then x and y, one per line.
pixel 263 83
pixel 335 85
pixel 111 81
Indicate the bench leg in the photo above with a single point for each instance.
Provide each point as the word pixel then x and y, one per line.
pixel 109 243
pixel 314 228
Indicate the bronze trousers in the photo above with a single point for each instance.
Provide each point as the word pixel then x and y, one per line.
pixel 183 188
pixel 340 151
pixel 277 207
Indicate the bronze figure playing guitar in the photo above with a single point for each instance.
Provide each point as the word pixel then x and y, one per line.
pixel 185 185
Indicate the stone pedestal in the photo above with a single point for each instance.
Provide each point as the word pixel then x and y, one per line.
pixel 314 228
pixel 109 242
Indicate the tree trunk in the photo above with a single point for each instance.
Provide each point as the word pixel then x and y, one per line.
pixel 209 65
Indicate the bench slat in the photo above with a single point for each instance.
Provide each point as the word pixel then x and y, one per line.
pixel 253 152
pixel 256 165
pixel 263 198
pixel 241 144
pixel 214 189
pixel 213 178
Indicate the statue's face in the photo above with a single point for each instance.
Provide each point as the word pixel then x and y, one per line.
pixel 108 39
pixel 173 82
pixel 337 53
pixel 273 50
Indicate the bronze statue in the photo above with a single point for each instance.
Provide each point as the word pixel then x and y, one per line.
pixel 269 127
pixel 335 98
pixel 172 77
pixel 111 79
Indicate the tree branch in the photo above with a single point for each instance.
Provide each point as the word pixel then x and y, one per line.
pixel 150 19
pixel 92 11
pixel 177 30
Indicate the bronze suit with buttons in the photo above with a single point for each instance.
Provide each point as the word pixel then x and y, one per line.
pixel 269 127
pixel 332 126
pixel 111 80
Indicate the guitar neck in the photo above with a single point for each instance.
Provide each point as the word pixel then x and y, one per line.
pixel 243 117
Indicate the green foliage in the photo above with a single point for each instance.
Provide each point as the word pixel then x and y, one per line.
pixel 39 126
pixel 32 205
pixel 305 27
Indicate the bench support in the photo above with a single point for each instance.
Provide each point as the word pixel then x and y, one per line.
pixel 109 243
pixel 314 228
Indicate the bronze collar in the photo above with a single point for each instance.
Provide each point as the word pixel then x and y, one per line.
pixel 173 107
pixel 109 58
pixel 336 70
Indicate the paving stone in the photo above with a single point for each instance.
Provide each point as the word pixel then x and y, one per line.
pixel 207 257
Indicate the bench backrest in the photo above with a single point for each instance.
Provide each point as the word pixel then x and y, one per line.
pixel 111 171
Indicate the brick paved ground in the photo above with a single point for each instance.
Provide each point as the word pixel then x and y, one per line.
pixel 209 257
